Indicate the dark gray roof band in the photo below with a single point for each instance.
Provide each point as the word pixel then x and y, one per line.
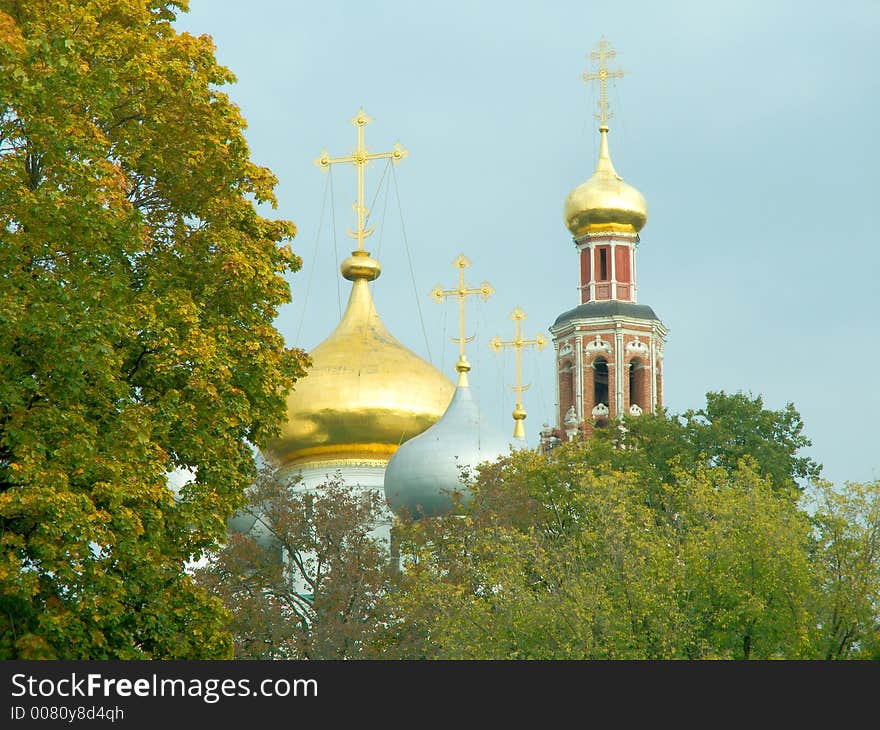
pixel 592 310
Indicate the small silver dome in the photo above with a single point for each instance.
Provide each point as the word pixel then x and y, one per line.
pixel 425 471
pixel 245 521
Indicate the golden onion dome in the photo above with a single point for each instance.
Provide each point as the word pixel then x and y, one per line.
pixel 605 201
pixel 365 393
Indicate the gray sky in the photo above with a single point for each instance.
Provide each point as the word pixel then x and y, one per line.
pixel 749 125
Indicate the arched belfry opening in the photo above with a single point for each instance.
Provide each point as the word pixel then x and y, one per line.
pixel 566 385
pixel 638 384
pixel 600 381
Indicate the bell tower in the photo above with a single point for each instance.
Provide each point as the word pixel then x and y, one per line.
pixel 609 348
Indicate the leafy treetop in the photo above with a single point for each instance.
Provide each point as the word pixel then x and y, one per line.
pixel 139 287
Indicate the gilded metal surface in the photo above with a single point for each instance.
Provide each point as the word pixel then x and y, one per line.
pixel 360 158
pixel 360 265
pixel 364 395
pixel 600 228
pixel 518 343
pixel 439 293
pixel 604 52
pixel 604 200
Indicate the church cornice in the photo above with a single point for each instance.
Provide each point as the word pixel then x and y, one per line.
pixel 613 322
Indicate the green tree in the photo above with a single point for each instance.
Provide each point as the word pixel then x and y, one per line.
pixel 747 592
pixel 543 565
pixel 733 426
pixel 305 581
pixel 728 428
pixel 560 557
pixel 139 286
pixel 847 558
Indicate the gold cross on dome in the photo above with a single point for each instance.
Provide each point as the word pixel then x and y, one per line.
pixel 360 157
pixel 603 53
pixel 438 293
pixel 518 343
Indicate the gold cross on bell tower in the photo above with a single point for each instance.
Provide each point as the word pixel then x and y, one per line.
pixel 438 293
pixel 360 157
pixel 603 53
pixel 518 343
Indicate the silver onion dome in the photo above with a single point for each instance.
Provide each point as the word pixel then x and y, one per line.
pixel 425 472
pixel 245 521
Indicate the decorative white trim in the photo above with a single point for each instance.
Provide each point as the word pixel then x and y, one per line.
pixel 579 379
pixel 621 372
pixel 613 270
pixel 557 416
pixel 588 237
pixel 654 375
pixel 599 410
pixel 571 423
pixel 610 328
pixel 597 344
pixel 636 347
pixel 635 410
pixel 566 349
pixel 634 286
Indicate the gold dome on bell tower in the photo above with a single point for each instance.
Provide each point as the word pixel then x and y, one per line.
pixel 365 393
pixel 605 201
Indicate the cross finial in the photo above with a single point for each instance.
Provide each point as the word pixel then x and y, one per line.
pixel 518 343
pixel 603 53
pixel 360 157
pixel 438 293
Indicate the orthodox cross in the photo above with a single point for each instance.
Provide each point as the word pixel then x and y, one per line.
pixel 518 343
pixel 360 157
pixel 438 293
pixel 604 52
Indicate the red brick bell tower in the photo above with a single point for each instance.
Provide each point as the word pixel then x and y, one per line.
pixel 609 349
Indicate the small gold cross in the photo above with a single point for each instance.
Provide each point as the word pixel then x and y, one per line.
pixel 438 293
pixel 603 53
pixel 518 343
